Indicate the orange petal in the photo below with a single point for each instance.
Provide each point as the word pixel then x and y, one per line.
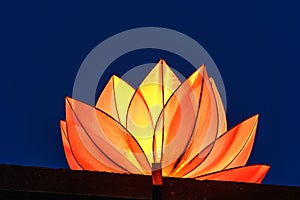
pixel 204 132
pixel 177 120
pixel 222 121
pixel 87 154
pixel 229 149
pixel 105 138
pixel 247 174
pixel 115 98
pixel 68 152
pixel 242 157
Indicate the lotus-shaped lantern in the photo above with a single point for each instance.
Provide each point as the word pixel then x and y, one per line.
pixel 180 125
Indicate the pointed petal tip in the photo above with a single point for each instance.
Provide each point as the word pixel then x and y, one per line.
pixel 68 100
pixel 201 72
pixel 115 77
pixel 266 167
pixel 265 170
pixel 255 117
pixel 62 124
pixel 161 60
pixel 162 63
pixel 201 69
pixel 252 118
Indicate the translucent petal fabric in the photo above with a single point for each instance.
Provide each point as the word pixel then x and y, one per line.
pixel 73 163
pixel 177 120
pixel 249 174
pixel 222 121
pixel 227 148
pixel 103 138
pixel 115 99
pixel 183 126
pixel 139 123
pixel 147 104
pixel 205 128
pixel 157 88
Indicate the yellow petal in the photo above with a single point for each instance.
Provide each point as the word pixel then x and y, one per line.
pixel 247 174
pixel 140 125
pixel 115 98
pixel 105 138
pixel 147 103
pixel 228 147
pixel 87 153
pixel 157 88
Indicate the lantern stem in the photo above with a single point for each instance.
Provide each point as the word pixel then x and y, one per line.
pixel 157 181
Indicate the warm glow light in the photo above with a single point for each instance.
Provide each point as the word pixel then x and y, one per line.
pixel 180 125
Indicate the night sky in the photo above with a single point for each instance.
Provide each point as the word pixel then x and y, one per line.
pixel 255 45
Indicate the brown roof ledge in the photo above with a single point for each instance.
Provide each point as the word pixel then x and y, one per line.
pixel 18 182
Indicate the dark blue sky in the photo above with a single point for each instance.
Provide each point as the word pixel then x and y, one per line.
pixel 255 46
